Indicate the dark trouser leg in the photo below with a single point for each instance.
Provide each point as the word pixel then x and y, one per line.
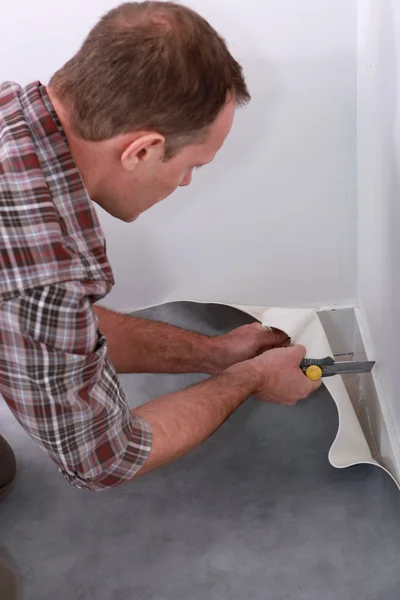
pixel 8 468
pixel 8 471
pixel 8 581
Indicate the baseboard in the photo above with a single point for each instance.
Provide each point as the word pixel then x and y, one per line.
pixel 374 403
pixel 339 324
pixel 348 335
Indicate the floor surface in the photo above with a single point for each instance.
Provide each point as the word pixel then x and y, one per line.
pixel 255 513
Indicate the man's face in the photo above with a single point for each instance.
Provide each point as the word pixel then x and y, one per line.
pixel 129 192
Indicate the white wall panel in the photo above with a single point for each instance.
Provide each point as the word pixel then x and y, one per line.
pixel 272 221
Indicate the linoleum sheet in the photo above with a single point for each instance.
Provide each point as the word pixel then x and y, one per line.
pixel 350 446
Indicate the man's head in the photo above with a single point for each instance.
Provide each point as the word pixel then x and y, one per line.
pixel 150 95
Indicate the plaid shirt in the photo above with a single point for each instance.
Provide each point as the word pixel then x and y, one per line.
pixel 55 374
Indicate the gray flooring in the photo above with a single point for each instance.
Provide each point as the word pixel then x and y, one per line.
pixel 255 513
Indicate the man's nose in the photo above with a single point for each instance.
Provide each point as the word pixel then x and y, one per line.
pixel 186 180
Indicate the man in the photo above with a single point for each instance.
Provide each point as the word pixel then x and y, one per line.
pixel 150 96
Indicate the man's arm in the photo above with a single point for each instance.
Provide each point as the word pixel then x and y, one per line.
pixel 182 420
pixel 59 382
pixel 141 346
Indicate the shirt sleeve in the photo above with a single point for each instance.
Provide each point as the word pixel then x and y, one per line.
pixel 59 382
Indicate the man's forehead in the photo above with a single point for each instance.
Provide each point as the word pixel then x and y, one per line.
pixel 222 125
pixel 219 130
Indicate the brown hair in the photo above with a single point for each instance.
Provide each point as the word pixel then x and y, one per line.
pixel 156 66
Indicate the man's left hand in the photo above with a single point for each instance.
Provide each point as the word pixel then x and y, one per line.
pixel 245 343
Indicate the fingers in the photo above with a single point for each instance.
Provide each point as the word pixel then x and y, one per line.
pixel 298 352
pixel 310 386
pixel 315 385
pixel 286 343
pixel 273 336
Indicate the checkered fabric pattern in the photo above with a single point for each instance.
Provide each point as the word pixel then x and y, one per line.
pixel 55 374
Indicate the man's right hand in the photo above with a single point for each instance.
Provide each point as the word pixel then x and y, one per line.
pixel 182 420
pixel 279 377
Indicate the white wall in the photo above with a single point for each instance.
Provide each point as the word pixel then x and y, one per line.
pixel 272 221
pixel 379 190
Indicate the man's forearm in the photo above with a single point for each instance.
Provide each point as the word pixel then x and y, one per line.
pixel 182 420
pixel 139 346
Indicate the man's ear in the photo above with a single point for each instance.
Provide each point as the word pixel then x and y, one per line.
pixel 144 147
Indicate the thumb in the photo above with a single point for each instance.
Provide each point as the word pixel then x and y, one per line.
pixel 298 352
